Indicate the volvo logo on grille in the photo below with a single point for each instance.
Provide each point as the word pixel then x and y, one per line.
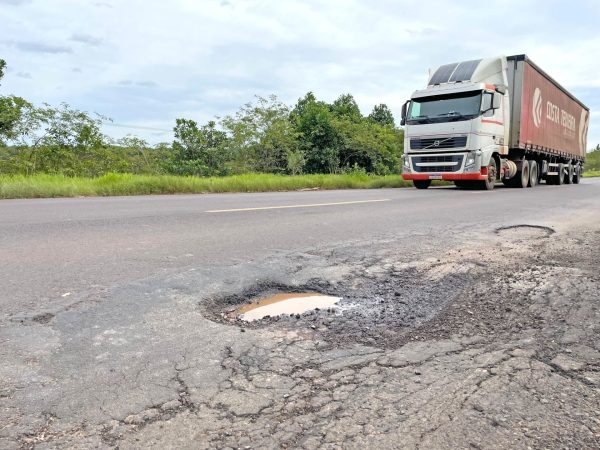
pixel 436 143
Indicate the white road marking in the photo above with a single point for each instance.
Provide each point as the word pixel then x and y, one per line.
pixel 261 208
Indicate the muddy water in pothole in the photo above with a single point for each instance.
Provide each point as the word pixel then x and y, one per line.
pixel 281 304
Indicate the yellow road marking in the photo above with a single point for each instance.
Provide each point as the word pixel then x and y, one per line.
pixel 261 208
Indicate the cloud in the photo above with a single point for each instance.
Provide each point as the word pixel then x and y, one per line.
pixel 148 84
pixel 208 58
pixel 25 75
pixel 86 39
pixel 145 83
pixel 40 47
pixel 14 2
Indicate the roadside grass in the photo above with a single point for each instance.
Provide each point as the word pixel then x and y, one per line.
pixel 591 173
pixel 38 186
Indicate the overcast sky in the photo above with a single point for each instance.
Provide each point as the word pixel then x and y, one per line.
pixel 146 62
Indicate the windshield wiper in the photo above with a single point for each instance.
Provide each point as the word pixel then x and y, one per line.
pixel 419 118
pixel 453 115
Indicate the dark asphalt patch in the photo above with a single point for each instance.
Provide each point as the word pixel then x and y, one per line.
pixel 379 310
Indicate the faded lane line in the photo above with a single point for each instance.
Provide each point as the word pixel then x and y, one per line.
pixel 260 208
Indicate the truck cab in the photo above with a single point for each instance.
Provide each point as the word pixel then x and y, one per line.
pixel 455 128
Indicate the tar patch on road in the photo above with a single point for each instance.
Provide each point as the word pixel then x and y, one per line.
pixel 379 310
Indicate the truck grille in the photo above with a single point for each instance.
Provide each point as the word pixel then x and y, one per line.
pixel 437 163
pixel 442 142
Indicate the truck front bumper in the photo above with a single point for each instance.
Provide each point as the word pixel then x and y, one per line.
pixel 449 176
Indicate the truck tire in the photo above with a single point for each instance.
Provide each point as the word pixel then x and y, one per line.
pixel 577 175
pixel 422 184
pixel 561 175
pixel 569 174
pixel 533 173
pixel 490 181
pixel 522 176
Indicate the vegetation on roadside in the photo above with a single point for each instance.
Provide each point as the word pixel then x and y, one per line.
pixel 50 151
pixel 44 185
pixel 592 160
pixel 264 136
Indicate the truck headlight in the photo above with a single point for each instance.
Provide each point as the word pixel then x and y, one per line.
pixel 470 159
pixel 405 162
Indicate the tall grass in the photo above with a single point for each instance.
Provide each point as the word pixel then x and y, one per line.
pixel 18 186
pixel 591 173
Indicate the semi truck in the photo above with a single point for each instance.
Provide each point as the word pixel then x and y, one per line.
pixel 490 120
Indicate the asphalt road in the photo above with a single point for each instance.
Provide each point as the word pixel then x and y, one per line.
pixel 111 333
pixel 51 247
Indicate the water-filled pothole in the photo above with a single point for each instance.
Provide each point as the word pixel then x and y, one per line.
pixel 284 304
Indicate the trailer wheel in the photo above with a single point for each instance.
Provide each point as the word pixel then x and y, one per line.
pixel 542 169
pixel 521 179
pixel 561 175
pixel 569 174
pixel 533 173
pixel 577 175
pixel 422 184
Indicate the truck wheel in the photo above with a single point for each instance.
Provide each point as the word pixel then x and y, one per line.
pixel 533 173
pixel 522 176
pixel 422 184
pixel 577 175
pixel 561 175
pixel 569 174
pixel 490 181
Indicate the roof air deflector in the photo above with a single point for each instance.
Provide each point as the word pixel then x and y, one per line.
pixel 456 72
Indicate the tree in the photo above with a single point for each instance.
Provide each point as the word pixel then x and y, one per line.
pixel 2 68
pixel 16 119
pixel 16 115
pixel 319 139
pixel 137 153
pixel 382 115
pixel 345 107
pixel 295 162
pixel 198 150
pixel 261 136
pixel 68 141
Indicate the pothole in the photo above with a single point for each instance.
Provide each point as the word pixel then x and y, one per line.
pixel 381 311
pixel 525 231
pixel 284 303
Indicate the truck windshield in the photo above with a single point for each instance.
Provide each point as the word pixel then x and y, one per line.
pixel 444 108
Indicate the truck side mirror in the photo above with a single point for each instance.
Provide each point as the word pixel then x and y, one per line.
pixel 404 111
pixel 496 100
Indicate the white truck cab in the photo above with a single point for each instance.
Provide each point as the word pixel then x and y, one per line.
pixel 456 125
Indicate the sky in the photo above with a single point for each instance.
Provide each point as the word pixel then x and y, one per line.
pixel 146 63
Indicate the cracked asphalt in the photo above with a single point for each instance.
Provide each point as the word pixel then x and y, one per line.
pixel 467 320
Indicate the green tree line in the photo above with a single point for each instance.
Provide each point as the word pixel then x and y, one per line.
pixel 264 136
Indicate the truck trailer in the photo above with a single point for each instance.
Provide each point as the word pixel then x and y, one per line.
pixel 495 119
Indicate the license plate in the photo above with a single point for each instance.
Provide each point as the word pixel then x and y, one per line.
pixel 435 177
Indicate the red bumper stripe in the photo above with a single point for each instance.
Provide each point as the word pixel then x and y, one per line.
pixel 444 176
